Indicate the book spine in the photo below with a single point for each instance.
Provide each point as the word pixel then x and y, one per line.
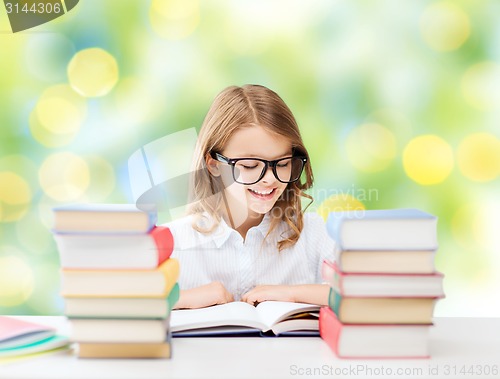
pixel 173 297
pixel 334 301
pixel 164 242
pixel 170 271
pixel 329 328
pixel 152 219
pixel 333 225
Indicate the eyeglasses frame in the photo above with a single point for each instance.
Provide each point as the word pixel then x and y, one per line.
pixel 232 162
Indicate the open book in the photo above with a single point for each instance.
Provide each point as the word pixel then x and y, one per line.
pixel 267 318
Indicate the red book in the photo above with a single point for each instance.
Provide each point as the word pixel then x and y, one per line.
pixel 365 341
pixel 382 285
pixel 115 251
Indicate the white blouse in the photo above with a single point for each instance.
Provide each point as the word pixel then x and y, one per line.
pixel 240 264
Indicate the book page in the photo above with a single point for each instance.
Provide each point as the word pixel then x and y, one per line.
pixel 272 312
pixel 230 314
pixel 302 325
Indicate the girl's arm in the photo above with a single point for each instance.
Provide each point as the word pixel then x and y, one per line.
pixel 204 296
pixel 300 293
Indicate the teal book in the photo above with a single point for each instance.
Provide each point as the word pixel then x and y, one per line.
pixel 48 344
pixel 382 310
pixel 109 307
pixel 385 229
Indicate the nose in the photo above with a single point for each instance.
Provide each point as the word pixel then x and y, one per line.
pixel 268 176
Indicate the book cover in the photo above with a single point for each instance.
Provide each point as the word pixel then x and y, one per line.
pixel 109 307
pixel 365 341
pixel 382 285
pixel 121 283
pixel 124 350
pixel 388 229
pixel 382 310
pixel 16 332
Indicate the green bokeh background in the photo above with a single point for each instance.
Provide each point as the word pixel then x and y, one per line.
pixel 412 68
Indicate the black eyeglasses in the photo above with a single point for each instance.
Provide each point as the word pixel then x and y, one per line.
pixel 251 170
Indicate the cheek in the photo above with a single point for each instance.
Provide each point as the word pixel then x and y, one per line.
pixel 235 190
pixel 281 188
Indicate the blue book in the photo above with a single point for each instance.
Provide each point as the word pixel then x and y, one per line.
pixel 103 218
pixel 390 229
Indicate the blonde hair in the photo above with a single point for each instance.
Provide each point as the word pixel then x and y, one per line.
pixel 234 108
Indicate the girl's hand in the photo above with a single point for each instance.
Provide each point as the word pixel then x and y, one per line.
pixel 300 293
pixel 204 296
pixel 270 292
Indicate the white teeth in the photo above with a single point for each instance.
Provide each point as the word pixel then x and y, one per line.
pixel 262 193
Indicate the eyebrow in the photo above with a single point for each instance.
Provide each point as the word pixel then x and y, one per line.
pixel 288 154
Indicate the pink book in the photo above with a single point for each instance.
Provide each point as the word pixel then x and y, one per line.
pixel 16 332
pixel 368 341
pixel 382 285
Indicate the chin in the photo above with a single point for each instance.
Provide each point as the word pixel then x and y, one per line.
pixel 260 208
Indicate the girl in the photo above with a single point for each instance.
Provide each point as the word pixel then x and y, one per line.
pixel 246 236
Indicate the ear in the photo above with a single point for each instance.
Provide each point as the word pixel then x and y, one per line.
pixel 212 166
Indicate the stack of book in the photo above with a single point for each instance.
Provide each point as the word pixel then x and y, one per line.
pixel 117 279
pixel 384 284
pixel 22 338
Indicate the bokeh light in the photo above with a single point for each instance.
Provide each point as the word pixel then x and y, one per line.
pixel 174 19
pixel 93 72
pixel 428 159
pixel 15 196
pixel 337 203
pixel 478 157
pixel 58 116
pixel 16 278
pixel 60 110
pixel 445 26
pixel 64 176
pixel 371 147
pixel 46 138
pixel 480 85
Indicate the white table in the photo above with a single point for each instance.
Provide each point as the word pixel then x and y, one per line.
pixel 460 347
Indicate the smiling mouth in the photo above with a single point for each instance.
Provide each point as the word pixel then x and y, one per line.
pixel 264 195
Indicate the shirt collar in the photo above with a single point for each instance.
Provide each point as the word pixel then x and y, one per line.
pixel 223 231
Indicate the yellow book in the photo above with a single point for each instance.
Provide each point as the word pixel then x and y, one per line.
pixel 124 350
pixel 121 283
